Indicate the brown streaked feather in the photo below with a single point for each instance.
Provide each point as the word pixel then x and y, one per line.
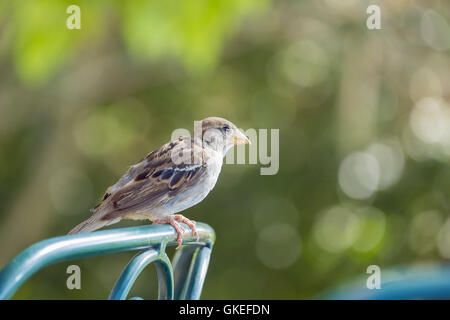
pixel 153 181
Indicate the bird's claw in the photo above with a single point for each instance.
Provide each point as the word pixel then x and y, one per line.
pixel 178 228
pixel 173 221
pixel 190 223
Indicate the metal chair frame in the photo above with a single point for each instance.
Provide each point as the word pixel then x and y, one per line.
pixel 181 279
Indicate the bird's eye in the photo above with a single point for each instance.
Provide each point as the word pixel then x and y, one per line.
pixel 226 129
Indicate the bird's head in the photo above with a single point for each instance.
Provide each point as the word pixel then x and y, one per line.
pixel 221 135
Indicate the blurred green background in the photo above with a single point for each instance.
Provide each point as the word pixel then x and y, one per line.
pixel 364 122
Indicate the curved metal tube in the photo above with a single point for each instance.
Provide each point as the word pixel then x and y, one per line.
pixel 197 273
pixel 190 266
pixel 135 267
pixel 165 278
pixel 68 247
pixel 182 265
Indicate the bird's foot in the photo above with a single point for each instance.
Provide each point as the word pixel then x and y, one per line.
pixel 178 228
pixel 190 223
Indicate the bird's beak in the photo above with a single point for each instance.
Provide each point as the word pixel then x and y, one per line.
pixel 240 138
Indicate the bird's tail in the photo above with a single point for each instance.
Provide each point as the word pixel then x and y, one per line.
pixel 93 223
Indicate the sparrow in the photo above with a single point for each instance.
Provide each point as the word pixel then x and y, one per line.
pixel 169 180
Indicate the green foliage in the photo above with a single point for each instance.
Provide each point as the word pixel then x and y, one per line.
pixel 193 32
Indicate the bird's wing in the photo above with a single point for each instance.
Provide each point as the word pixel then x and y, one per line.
pixel 156 179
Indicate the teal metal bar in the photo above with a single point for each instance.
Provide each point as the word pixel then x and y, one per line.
pixel 134 268
pixel 197 274
pixel 148 238
pixel 165 278
pixel 182 266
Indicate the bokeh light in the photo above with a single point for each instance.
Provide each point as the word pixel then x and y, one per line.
pixel 430 120
pixel 391 161
pixel 359 175
pixel 278 246
pixel 304 63
pixel 344 227
pixel 336 229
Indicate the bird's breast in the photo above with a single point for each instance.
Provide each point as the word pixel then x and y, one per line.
pixel 196 193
